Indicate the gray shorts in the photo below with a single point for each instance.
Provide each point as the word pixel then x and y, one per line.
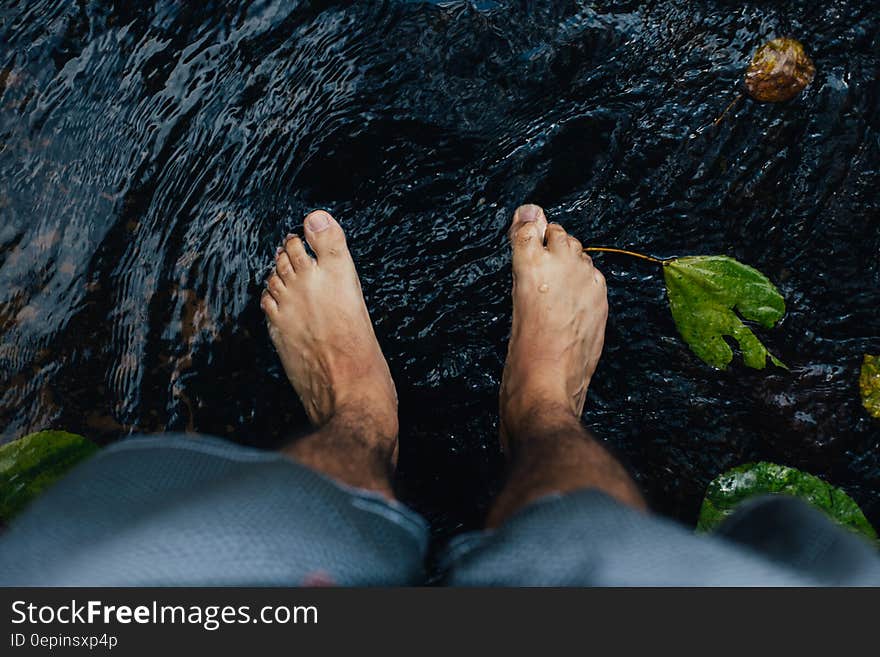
pixel 183 511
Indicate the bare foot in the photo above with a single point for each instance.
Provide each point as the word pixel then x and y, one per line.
pixel 560 307
pixel 320 326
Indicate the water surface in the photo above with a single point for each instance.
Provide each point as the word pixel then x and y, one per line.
pixel 153 155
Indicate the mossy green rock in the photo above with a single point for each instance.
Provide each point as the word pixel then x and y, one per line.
pixel 33 463
pixel 869 385
pixel 707 296
pixel 735 486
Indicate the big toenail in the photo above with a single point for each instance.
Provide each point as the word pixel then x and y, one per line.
pixel 318 222
pixel 528 213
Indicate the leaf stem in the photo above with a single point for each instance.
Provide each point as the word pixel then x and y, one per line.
pixel 641 256
pixel 733 104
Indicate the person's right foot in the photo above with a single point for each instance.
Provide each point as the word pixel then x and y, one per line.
pixel 560 307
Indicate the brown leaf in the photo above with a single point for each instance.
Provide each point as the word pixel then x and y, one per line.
pixel 779 71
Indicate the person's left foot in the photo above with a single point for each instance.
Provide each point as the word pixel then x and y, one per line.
pixel 320 326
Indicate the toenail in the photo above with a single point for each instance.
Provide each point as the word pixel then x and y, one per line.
pixel 279 251
pixel 289 237
pixel 527 213
pixel 318 222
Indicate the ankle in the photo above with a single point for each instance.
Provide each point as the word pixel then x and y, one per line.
pixel 372 417
pixel 534 417
pixel 352 448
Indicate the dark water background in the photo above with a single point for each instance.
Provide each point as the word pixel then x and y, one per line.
pixel 153 154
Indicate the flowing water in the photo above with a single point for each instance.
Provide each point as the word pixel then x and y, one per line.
pixel 154 154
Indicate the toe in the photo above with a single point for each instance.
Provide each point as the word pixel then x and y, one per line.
pixel 325 236
pixel 527 233
pixel 525 215
pixel 268 304
pixel 296 253
pixel 557 239
pixel 275 286
pixel 283 267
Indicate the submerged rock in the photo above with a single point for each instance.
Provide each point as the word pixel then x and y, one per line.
pixel 779 71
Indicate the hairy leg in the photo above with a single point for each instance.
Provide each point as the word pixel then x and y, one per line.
pixel 559 312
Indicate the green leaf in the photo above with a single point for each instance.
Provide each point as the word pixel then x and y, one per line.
pixel 33 463
pixel 869 384
pixel 737 485
pixel 705 295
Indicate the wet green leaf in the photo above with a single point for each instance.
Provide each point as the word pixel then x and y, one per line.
pixel 869 384
pixel 705 295
pixel 33 463
pixel 779 71
pixel 735 486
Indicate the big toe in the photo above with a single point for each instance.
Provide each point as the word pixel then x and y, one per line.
pixel 325 236
pixel 527 232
